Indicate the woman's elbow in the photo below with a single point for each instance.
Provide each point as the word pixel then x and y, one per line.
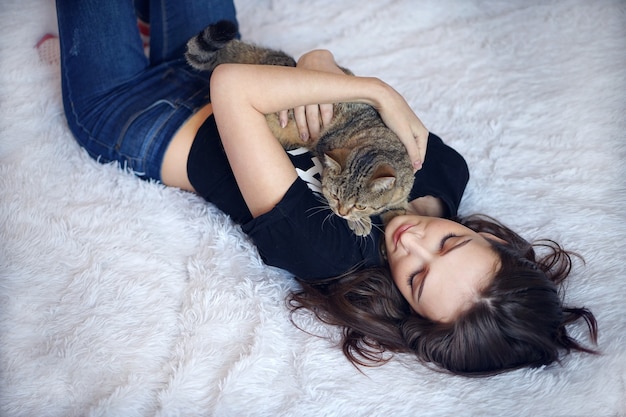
pixel 221 78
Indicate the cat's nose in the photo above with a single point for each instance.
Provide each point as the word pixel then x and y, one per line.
pixel 342 210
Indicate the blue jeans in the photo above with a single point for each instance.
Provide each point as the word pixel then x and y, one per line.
pixel 119 104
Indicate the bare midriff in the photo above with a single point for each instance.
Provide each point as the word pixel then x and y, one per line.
pixel 174 167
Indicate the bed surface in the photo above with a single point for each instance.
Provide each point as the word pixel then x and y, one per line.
pixel 120 297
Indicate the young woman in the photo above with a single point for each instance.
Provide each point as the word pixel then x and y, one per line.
pixel 469 295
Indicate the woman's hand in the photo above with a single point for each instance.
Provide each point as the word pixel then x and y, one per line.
pixel 312 118
pixel 393 108
pixel 400 118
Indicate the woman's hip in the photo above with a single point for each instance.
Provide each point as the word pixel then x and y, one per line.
pixel 135 123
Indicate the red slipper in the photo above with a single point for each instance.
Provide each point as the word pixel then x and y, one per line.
pixel 144 32
pixel 49 50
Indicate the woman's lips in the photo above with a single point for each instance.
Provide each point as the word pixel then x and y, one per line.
pixel 399 231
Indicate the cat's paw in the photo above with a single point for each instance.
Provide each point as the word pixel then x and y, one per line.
pixel 361 227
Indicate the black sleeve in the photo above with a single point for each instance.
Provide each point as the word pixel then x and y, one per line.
pixel 210 174
pixel 444 174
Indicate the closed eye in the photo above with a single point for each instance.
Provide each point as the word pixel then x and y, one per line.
pixel 411 278
pixel 424 272
pixel 442 244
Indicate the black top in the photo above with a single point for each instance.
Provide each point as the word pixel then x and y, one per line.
pixel 300 234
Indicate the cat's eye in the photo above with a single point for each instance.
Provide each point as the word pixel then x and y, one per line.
pixel 359 207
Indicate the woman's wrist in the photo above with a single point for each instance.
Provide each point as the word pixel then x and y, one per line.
pixel 375 93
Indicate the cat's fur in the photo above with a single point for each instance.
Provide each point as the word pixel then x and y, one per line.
pixel 367 170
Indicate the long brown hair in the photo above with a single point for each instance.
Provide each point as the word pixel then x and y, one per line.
pixel 518 321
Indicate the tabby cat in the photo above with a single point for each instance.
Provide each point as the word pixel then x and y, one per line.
pixel 366 169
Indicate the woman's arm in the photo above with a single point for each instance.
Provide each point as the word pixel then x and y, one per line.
pixel 427 206
pixel 242 94
pixel 312 118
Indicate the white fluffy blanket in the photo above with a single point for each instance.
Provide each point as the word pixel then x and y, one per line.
pixel 125 298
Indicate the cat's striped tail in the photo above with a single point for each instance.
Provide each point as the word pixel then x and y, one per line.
pixel 202 49
pixel 217 44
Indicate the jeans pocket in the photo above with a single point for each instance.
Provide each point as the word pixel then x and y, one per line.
pixel 142 136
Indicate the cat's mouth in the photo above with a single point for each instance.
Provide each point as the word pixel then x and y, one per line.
pixel 347 214
pixel 343 216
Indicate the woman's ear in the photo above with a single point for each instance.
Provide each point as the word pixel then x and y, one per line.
pixel 492 237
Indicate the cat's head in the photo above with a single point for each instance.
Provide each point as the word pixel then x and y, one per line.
pixel 358 187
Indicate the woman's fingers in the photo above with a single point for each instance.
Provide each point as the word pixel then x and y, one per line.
pixel 310 119
pixel 415 142
pixel 421 142
pixel 283 118
pixel 313 124
pixel 299 114
pixel 326 112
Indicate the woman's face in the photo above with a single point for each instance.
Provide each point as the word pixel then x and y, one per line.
pixel 439 265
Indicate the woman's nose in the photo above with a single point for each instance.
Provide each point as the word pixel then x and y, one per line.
pixel 416 245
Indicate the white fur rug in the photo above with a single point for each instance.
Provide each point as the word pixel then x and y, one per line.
pixel 125 298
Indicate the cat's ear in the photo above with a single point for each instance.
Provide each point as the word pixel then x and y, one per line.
pixel 336 159
pixel 383 178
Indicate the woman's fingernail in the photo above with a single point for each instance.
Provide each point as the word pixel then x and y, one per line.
pixel 417 164
pixel 304 136
pixel 283 123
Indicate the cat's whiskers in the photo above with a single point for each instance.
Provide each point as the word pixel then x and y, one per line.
pixel 318 209
pixel 378 227
pixel 315 210
pixel 329 218
pixel 324 207
pixel 363 241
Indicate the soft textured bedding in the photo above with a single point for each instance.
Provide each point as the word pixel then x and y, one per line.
pixel 120 297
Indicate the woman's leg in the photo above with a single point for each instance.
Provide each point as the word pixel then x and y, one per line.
pixel 100 48
pixel 119 107
pixel 173 22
